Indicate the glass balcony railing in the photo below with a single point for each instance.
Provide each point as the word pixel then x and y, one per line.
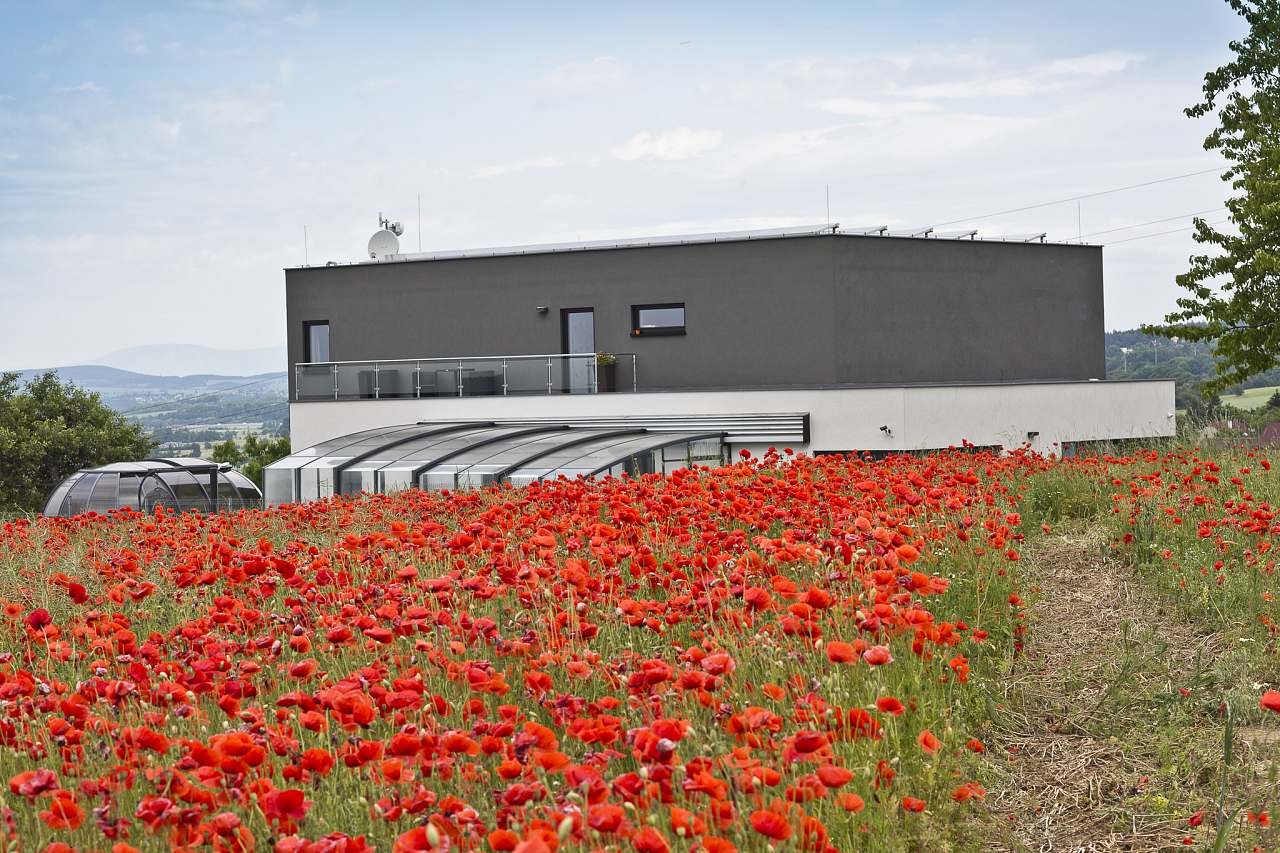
pixel 477 376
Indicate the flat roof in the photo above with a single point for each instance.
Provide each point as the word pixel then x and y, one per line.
pixel 882 232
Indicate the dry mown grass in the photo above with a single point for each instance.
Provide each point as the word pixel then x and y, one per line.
pixel 1096 747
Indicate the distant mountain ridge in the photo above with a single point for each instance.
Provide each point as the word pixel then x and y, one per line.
pixel 167 405
pixel 107 380
pixel 196 360
pixel 184 393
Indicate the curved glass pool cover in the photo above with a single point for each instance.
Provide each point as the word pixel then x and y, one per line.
pixel 476 454
pixel 178 484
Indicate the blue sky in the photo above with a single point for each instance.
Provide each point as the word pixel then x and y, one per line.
pixel 158 162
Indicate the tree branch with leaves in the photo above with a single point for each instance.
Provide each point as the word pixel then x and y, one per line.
pixel 1233 294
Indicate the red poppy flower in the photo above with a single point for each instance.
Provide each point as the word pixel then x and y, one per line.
pixel 33 783
pixel 928 742
pixel 839 652
pixel 648 840
pixel 287 807
pixel 806 742
pixel 833 776
pixel 771 825
pixel 63 813
pixel 877 656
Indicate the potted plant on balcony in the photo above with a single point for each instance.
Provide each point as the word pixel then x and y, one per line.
pixel 606 371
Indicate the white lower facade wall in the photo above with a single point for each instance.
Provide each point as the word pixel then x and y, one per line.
pixel 918 417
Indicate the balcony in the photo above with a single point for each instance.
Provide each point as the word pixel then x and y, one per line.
pixel 478 376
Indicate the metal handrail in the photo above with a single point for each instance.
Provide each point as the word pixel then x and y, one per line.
pixel 455 359
pixel 455 363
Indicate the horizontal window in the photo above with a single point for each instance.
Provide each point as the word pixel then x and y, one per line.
pixel 664 319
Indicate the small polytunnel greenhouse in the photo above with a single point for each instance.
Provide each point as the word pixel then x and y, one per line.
pixel 177 484
pixel 476 454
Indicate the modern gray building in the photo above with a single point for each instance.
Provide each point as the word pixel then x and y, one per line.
pixel 823 339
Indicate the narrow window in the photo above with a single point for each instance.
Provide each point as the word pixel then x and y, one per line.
pixel 664 319
pixel 315 336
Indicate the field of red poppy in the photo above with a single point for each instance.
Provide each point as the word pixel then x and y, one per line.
pixel 796 653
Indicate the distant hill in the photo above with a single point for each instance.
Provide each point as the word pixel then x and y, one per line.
pixel 200 407
pixel 1188 364
pixel 192 360
pixel 112 382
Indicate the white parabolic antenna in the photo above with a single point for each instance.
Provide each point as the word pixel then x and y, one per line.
pixel 383 243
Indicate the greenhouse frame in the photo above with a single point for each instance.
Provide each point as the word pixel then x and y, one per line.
pixel 469 455
pixel 178 484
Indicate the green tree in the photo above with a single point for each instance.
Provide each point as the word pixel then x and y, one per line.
pixel 253 455
pixel 1234 292
pixel 49 429
pixel 227 451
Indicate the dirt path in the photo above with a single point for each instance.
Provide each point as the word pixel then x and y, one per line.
pixel 1090 758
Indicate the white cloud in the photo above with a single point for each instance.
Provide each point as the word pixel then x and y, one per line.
pixel 303 18
pixel 88 87
pixel 1035 80
pixel 882 69
pixel 169 130
pixel 230 110
pixel 134 42
pixel 715 225
pixel 875 110
pixel 232 7
pixel 288 70
pixel 679 144
pixel 1010 86
pixel 561 202
pixel 781 146
pixel 1095 63
pixel 580 78
pixel 498 170
pixel 836 69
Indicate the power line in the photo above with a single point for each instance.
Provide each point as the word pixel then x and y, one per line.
pixel 1079 197
pixel 1153 222
pixel 1162 233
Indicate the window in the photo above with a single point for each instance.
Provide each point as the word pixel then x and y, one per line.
pixel 315 341
pixel 664 319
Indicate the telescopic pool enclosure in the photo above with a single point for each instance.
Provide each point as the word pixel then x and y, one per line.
pixel 178 484
pixel 467 455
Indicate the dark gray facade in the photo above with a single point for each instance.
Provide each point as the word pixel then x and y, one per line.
pixel 797 311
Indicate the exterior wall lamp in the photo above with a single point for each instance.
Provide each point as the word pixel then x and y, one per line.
pixel 542 309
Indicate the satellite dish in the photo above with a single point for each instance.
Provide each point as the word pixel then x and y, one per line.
pixel 383 243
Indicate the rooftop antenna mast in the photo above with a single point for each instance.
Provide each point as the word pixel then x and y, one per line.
pixel 828 205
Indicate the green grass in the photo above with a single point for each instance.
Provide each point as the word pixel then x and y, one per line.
pixel 1253 398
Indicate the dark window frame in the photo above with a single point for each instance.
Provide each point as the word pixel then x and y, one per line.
pixel 564 324
pixel 307 325
pixel 657 331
